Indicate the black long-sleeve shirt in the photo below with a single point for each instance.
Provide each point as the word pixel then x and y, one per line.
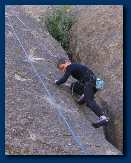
pixel 77 71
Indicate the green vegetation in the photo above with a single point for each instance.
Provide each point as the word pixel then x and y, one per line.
pixel 59 24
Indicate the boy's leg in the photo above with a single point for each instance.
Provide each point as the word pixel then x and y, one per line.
pixel 89 92
pixel 81 101
pixel 77 88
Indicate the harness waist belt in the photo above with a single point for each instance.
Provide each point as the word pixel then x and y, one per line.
pixel 90 76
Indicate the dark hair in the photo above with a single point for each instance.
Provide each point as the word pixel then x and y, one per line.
pixel 61 61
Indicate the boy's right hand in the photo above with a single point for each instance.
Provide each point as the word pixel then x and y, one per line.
pixel 68 85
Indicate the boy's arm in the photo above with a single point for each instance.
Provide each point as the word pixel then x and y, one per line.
pixel 64 78
pixel 69 69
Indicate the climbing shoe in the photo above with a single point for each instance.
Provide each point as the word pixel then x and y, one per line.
pixel 101 122
pixel 80 101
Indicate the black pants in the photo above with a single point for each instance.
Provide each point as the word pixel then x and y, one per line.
pixel 89 91
pixel 77 88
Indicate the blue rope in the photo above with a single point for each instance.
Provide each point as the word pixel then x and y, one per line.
pixel 32 33
pixel 76 139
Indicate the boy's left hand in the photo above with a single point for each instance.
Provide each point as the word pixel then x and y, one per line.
pixel 56 81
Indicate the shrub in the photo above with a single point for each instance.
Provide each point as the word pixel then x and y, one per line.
pixel 59 24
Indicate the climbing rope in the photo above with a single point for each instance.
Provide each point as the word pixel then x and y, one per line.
pixel 58 109
pixel 31 32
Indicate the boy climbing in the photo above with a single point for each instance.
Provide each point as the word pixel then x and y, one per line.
pixel 87 78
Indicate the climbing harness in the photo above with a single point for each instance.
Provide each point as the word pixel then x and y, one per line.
pixel 58 109
pixel 99 84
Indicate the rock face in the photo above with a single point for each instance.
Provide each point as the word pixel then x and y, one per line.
pixel 33 124
pixel 97 41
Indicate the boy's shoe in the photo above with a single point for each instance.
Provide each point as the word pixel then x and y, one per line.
pixel 81 101
pixel 101 122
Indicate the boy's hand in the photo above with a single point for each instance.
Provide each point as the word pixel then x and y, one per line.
pixel 68 85
pixel 56 81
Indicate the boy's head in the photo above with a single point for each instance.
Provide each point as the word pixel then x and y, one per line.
pixel 63 63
